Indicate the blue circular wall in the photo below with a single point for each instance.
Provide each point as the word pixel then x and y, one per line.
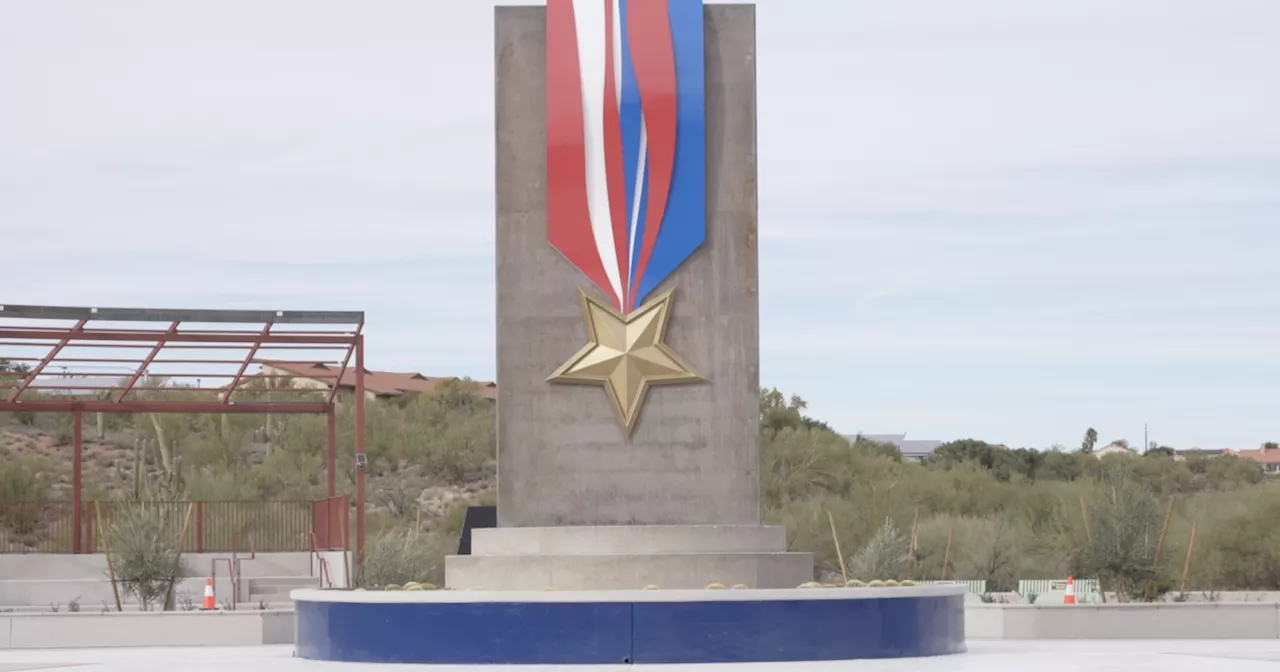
pixel 695 628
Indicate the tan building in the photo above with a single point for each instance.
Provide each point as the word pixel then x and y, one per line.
pixel 377 384
pixel 1113 449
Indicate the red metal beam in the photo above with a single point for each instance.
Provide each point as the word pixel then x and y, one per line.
pixel 142 368
pixel 161 406
pixel 180 337
pixel 31 377
pixel 333 390
pixel 176 374
pixel 155 388
pixel 253 351
pixel 221 345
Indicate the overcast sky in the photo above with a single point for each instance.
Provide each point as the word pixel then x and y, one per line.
pixel 999 219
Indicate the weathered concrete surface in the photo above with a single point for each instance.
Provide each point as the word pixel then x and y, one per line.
pixel 687 571
pixel 694 455
pixel 634 539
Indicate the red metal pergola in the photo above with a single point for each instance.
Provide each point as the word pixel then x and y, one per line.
pixel 56 355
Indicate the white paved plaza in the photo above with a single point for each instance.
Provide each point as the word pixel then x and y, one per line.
pixel 983 656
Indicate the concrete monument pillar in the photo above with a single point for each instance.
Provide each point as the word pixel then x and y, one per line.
pixel 628 407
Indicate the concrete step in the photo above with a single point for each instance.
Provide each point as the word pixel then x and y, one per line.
pixel 270 597
pixel 279 583
pixel 277 588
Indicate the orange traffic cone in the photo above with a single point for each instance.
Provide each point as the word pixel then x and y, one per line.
pixel 210 604
pixel 1070 597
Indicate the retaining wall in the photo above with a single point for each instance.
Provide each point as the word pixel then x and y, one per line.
pixel 174 628
pixel 20 566
pixel 1213 620
pixel 39 579
pixel 92 594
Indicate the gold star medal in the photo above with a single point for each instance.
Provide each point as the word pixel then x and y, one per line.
pixel 626 354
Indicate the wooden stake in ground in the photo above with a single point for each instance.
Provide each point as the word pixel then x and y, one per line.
pixel 836 538
pixel 1155 564
pixel 177 558
pixel 1088 535
pixel 106 547
pixel 1084 515
pixel 946 557
pixel 911 555
pixel 1186 566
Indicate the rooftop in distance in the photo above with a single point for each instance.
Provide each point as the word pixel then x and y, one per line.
pixel 911 449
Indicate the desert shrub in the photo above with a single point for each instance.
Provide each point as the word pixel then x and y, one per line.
pixel 23 481
pixel 1000 548
pixel 400 557
pixel 144 551
pixel 884 556
pixel 1235 549
pixel 1125 522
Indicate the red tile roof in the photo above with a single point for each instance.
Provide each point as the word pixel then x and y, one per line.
pixel 382 383
pixel 1262 455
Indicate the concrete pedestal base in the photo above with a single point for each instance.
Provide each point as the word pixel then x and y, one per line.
pixel 629 627
pixel 628 557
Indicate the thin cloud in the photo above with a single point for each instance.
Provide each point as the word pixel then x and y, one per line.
pixel 978 218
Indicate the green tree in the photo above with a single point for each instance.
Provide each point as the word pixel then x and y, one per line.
pixel 778 412
pixel 1090 440
pixel 880 448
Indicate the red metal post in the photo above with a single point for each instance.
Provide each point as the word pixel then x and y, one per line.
pixel 36 371
pixel 333 451
pixel 359 452
pixel 77 496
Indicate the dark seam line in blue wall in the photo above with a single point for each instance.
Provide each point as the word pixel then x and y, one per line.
pixel 631 648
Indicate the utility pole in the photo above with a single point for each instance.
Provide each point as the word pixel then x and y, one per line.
pixel 1146 443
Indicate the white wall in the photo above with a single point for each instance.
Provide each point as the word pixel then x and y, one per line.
pixel 45 579
pixel 337 569
pixel 69 631
pixel 1211 620
pixel 14 566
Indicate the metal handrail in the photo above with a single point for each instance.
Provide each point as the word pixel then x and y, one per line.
pixel 321 562
pixel 234 571
pixel 235 582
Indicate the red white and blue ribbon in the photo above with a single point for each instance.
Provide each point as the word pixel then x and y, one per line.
pixel 626 140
